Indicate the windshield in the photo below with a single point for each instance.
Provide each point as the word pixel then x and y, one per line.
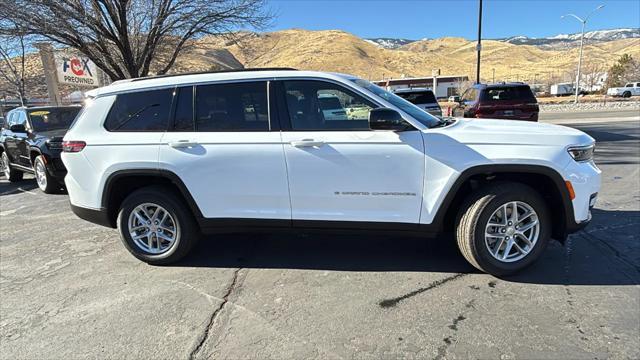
pixel 53 118
pixel 418 97
pixel 422 116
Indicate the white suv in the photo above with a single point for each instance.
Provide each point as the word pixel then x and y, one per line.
pixel 166 158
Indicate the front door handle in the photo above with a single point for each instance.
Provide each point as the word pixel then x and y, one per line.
pixel 180 144
pixel 307 143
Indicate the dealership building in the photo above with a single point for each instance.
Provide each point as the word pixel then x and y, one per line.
pixel 445 85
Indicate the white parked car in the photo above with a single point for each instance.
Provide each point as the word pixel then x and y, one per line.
pixel 629 90
pixel 423 98
pixel 165 158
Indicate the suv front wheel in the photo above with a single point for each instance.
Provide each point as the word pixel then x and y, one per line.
pixel 503 228
pixel 156 226
pixel 12 175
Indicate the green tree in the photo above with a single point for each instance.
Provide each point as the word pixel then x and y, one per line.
pixel 626 69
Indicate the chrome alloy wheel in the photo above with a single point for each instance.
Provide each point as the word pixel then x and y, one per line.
pixel 41 175
pixel 512 231
pixel 152 228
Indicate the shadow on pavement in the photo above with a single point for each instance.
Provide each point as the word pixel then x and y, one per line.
pixel 583 261
pixel 8 188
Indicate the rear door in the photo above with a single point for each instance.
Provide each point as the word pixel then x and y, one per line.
pixel 8 136
pixel 19 154
pixel 223 148
pixel 339 170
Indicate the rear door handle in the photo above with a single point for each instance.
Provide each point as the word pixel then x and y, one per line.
pixel 180 144
pixel 307 143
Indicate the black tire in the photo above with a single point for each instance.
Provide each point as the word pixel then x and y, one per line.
pixel 475 215
pixel 12 175
pixel 626 94
pixel 187 229
pixel 48 185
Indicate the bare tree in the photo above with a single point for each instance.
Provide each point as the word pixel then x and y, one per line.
pixel 127 38
pixel 12 63
pixel 462 85
pixel 593 75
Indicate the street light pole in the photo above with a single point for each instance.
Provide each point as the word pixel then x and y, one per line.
pixel 584 23
pixel 479 45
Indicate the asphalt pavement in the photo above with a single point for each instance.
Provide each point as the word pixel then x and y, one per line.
pixel 69 289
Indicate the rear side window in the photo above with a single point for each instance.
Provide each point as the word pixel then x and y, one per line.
pixel 140 111
pixel 418 97
pixel 232 107
pixel 508 93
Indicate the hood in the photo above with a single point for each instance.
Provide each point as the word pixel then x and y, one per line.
pixel 513 132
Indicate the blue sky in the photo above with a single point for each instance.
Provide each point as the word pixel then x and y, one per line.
pixel 432 19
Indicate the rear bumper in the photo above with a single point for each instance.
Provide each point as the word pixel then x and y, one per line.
pixel 100 217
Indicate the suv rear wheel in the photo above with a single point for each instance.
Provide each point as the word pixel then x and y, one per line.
pixel 503 228
pixel 626 94
pixel 12 175
pixel 156 226
pixel 46 182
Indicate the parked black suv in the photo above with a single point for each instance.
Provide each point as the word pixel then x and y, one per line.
pixel 509 101
pixel 31 141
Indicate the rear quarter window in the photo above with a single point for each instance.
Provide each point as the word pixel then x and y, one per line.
pixel 140 111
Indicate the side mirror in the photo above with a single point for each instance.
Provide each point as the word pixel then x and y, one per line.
pixel 18 128
pixel 386 119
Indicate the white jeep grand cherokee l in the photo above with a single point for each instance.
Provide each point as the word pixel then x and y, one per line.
pixel 166 158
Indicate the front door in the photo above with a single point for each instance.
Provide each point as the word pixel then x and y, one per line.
pixel 340 170
pixel 222 147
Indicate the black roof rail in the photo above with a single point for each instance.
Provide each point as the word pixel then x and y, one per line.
pixel 214 72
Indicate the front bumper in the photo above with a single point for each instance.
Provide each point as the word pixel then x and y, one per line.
pixel 585 177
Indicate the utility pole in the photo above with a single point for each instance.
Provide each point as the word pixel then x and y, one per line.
pixel 50 74
pixel 584 23
pixel 479 45
pixel 493 77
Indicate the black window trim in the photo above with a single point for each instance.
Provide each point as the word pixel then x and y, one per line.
pixel 174 107
pixel 283 109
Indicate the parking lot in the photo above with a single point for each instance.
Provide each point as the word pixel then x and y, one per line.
pixel 69 289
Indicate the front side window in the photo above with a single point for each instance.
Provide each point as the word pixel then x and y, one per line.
pixel 53 118
pixel 470 95
pixel 140 111
pixel 232 107
pixel 318 105
pixel 415 112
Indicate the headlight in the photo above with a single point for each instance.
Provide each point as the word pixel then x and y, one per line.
pixel 582 153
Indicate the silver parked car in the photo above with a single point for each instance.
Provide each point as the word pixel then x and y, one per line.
pixel 423 98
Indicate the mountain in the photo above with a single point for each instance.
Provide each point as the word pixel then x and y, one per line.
pixel 573 39
pixel 559 41
pixel 340 51
pixel 389 43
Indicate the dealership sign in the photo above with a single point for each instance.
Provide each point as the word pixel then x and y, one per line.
pixel 76 70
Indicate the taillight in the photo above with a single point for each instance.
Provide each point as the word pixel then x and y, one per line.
pixel 73 146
